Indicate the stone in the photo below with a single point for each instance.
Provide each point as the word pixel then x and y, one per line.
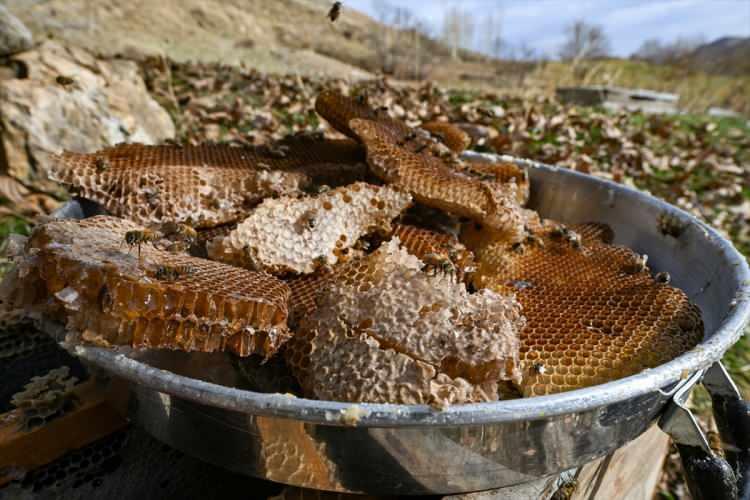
pixel 14 35
pixel 70 100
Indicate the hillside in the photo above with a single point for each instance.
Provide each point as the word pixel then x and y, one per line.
pixel 283 36
pixel 727 55
pixel 294 36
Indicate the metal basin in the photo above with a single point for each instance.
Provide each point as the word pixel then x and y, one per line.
pixel 196 403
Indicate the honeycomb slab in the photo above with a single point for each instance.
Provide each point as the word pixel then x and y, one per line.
pixel 202 186
pixel 385 331
pixel 432 182
pixel 81 273
pixel 300 235
pixel 594 312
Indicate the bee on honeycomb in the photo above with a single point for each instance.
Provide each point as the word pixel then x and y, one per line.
pixel 591 316
pixel 385 331
pixel 75 272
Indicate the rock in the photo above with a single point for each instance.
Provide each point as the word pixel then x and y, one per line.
pixel 70 100
pixel 14 35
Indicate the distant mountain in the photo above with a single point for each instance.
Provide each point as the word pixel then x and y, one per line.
pixel 727 55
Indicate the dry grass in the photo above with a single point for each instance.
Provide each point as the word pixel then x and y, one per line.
pixel 698 91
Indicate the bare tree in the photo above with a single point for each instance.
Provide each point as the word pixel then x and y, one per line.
pixel 584 41
pixel 397 40
pixel 458 29
pixel 491 30
pixel 654 50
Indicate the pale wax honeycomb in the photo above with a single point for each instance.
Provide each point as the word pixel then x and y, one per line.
pixel 300 235
pixel 386 331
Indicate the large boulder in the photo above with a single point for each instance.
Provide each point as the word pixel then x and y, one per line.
pixel 67 99
pixel 14 35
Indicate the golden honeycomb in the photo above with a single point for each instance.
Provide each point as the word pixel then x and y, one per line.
pixel 305 291
pixel 202 186
pixel 385 331
pixel 338 109
pixel 299 235
pixel 456 139
pixel 82 273
pixel 290 454
pixel 434 184
pixel 426 245
pixel 500 173
pixel 593 313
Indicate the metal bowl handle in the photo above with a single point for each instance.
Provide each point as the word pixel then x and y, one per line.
pixel 708 475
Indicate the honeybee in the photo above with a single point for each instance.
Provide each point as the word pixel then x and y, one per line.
pixel 263 166
pixel 335 11
pixel 538 368
pixel 65 81
pixel 173 273
pixel 517 247
pixel 308 220
pixel 421 147
pixel 436 262
pixel 636 265
pixel 182 231
pixel 139 237
pixel 408 137
pixel 563 233
pixel 101 164
pixel 278 151
pixel 533 239
pixel 663 277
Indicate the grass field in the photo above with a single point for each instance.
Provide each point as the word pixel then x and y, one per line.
pixel 698 91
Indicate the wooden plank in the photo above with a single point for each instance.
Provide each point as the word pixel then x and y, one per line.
pixel 94 417
pixel 630 473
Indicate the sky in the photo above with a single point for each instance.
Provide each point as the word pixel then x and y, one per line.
pixel 540 24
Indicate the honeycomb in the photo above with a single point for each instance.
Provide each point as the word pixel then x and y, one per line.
pixel 202 186
pixel 433 183
pixel 81 272
pixel 500 174
pixel 593 311
pixel 456 139
pixel 305 291
pixel 299 235
pixel 290 454
pixel 45 397
pixel 429 246
pixel 338 109
pixel 387 332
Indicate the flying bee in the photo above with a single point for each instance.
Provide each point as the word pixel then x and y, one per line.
pixel 335 11
pixel 101 164
pixel 139 237
pixel 173 273
pixel 636 265
pixel 663 277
